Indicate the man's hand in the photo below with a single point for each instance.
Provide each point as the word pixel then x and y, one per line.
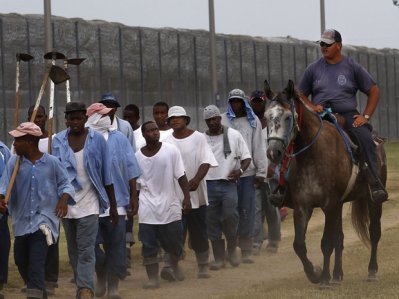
pixel 3 206
pixel 133 207
pixel 259 181
pixel 61 209
pixel 234 176
pixel 360 120
pixel 113 213
pixel 318 108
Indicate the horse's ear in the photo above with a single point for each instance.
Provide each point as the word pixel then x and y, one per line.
pixel 290 89
pixel 268 90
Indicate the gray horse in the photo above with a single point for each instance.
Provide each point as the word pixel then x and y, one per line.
pixel 321 174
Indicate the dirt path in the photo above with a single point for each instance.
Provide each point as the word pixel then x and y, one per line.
pixel 282 265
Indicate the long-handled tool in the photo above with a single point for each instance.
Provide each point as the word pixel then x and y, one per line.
pixel 20 57
pixel 73 61
pixel 57 75
pixel 53 56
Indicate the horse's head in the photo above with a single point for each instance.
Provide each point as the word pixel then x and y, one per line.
pixel 281 120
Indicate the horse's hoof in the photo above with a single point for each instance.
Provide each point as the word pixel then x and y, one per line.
pixel 325 286
pixel 372 277
pixel 336 281
pixel 317 270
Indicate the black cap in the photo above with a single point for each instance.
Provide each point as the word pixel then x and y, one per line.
pixel 75 106
pixel 258 94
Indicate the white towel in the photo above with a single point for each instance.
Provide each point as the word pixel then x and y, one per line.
pixel 47 232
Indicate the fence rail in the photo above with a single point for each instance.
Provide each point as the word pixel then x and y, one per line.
pixel 143 65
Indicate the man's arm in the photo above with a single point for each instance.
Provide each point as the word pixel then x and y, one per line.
pixel 315 108
pixel 113 212
pixel 236 173
pixel 186 192
pixel 134 200
pixel 373 97
pixel 61 209
pixel 199 176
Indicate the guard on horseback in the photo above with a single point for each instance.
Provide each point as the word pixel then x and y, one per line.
pixel 333 81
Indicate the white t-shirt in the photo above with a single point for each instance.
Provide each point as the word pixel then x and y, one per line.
pixel 138 137
pixel 140 141
pixel 159 203
pixel 164 133
pixel 239 152
pixel 86 199
pixel 195 151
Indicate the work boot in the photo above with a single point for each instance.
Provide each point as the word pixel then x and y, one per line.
pixel 272 246
pixel 378 193
pixel 247 257
pixel 113 284
pixel 232 255
pixel 172 271
pixel 50 287
pixel 203 264
pixel 219 252
pixel 152 273
pixel 100 284
pixel 85 293
pixel 35 294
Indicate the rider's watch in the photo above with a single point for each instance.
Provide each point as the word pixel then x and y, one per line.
pixel 366 116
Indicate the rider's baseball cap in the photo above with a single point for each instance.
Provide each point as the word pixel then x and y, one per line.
pixel 330 36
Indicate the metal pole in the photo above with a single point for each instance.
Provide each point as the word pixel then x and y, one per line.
pixel 322 17
pixel 212 50
pixel 48 47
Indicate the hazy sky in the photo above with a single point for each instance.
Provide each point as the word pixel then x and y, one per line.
pixel 371 23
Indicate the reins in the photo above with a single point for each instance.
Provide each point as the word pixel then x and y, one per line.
pixel 300 113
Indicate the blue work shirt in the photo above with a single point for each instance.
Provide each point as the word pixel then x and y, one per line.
pixel 4 157
pixel 35 193
pixel 96 158
pixel 124 166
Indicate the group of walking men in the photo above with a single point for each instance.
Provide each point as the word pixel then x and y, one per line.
pixel 213 185
pixel 99 167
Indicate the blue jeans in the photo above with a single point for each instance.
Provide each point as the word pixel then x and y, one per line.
pixel 263 208
pixel 81 239
pixel 153 236
pixel 113 258
pixel 246 210
pixel 5 244
pixel 30 253
pixel 222 213
pixel 52 263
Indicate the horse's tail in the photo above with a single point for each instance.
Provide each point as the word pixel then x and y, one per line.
pixel 361 219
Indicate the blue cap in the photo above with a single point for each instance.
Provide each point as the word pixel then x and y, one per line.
pixel 108 98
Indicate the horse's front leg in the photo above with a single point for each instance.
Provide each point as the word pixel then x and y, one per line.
pixel 301 220
pixel 333 222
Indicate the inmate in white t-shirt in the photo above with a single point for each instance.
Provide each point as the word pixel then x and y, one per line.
pixel 239 152
pixel 159 203
pixel 195 151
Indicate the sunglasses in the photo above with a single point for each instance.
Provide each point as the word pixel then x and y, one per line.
pixel 324 45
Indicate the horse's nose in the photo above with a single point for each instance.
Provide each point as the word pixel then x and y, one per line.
pixel 275 155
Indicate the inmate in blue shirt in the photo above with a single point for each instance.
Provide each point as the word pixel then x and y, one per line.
pixel 124 166
pixel 35 193
pixel 96 158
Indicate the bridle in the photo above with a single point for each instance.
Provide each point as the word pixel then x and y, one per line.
pixel 296 112
pixel 294 125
